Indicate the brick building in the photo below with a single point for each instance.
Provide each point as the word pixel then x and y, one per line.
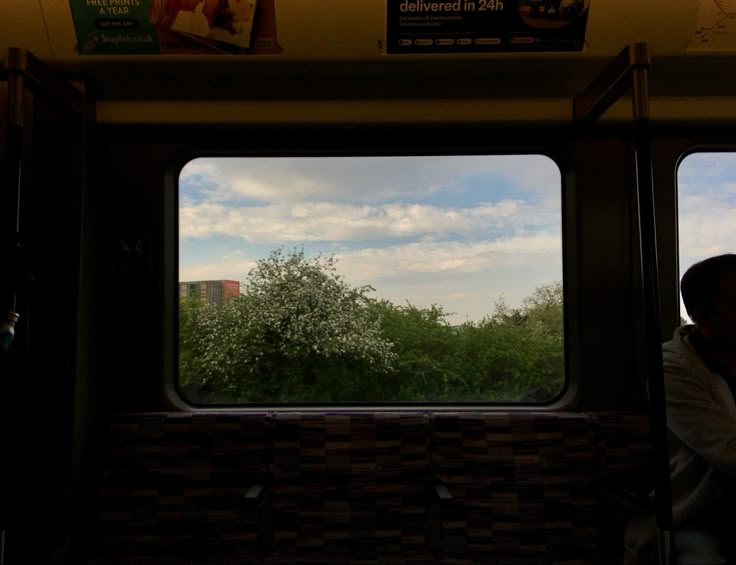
pixel 214 293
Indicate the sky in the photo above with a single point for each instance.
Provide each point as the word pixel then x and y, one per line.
pixel 707 208
pixel 458 231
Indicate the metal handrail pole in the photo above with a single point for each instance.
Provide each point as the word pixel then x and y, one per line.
pixel 652 310
pixel 630 69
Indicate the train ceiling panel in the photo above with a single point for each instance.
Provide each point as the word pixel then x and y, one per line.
pixel 331 66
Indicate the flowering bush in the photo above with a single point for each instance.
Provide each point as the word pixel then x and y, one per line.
pixel 299 333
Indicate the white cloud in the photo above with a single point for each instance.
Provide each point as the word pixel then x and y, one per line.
pixel 232 254
pixel 366 179
pixel 706 227
pixel 325 221
pixel 203 167
pixel 421 258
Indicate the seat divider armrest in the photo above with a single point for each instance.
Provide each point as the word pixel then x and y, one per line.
pixel 442 492
pixel 254 492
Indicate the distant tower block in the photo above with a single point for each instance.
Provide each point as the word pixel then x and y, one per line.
pixel 214 293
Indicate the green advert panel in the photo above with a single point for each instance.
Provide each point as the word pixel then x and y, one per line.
pixel 109 27
pixel 143 27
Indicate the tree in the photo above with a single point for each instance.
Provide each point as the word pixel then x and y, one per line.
pixel 297 332
pixel 521 356
pixel 543 309
pixel 190 351
pixel 426 366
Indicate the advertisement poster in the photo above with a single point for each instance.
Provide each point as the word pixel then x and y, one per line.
pixel 152 27
pixel 485 26
pixel 715 28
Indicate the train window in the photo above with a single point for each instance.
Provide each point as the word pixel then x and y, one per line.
pixel 405 279
pixel 707 208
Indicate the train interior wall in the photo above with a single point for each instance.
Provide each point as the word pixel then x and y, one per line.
pixel 125 349
pixel 100 363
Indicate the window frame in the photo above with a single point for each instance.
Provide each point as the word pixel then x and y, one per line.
pixel 356 146
pixel 688 148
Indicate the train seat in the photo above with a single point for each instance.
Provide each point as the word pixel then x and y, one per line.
pixel 461 488
pixel 522 486
pixel 184 487
pixel 535 487
pixel 349 486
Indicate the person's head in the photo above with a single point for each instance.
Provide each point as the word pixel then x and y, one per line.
pixel 709 293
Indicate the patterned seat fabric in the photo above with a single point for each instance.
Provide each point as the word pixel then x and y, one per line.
pixel 625 448
pixel 349 486
pixel 357 488
pixel 174 487
pixel 523 487
pixel 626 466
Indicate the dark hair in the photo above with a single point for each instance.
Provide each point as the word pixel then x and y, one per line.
pixel 700 284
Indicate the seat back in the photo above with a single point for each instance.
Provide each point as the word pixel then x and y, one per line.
pixel 173 486
pixel 526 487
pixel 349 486
pixel 523 486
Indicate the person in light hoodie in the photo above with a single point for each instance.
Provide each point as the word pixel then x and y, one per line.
pixel 700 385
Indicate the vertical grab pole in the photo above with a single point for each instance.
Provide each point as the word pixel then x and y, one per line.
pixel 10 196
pixel 10 186
pixel 652 307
